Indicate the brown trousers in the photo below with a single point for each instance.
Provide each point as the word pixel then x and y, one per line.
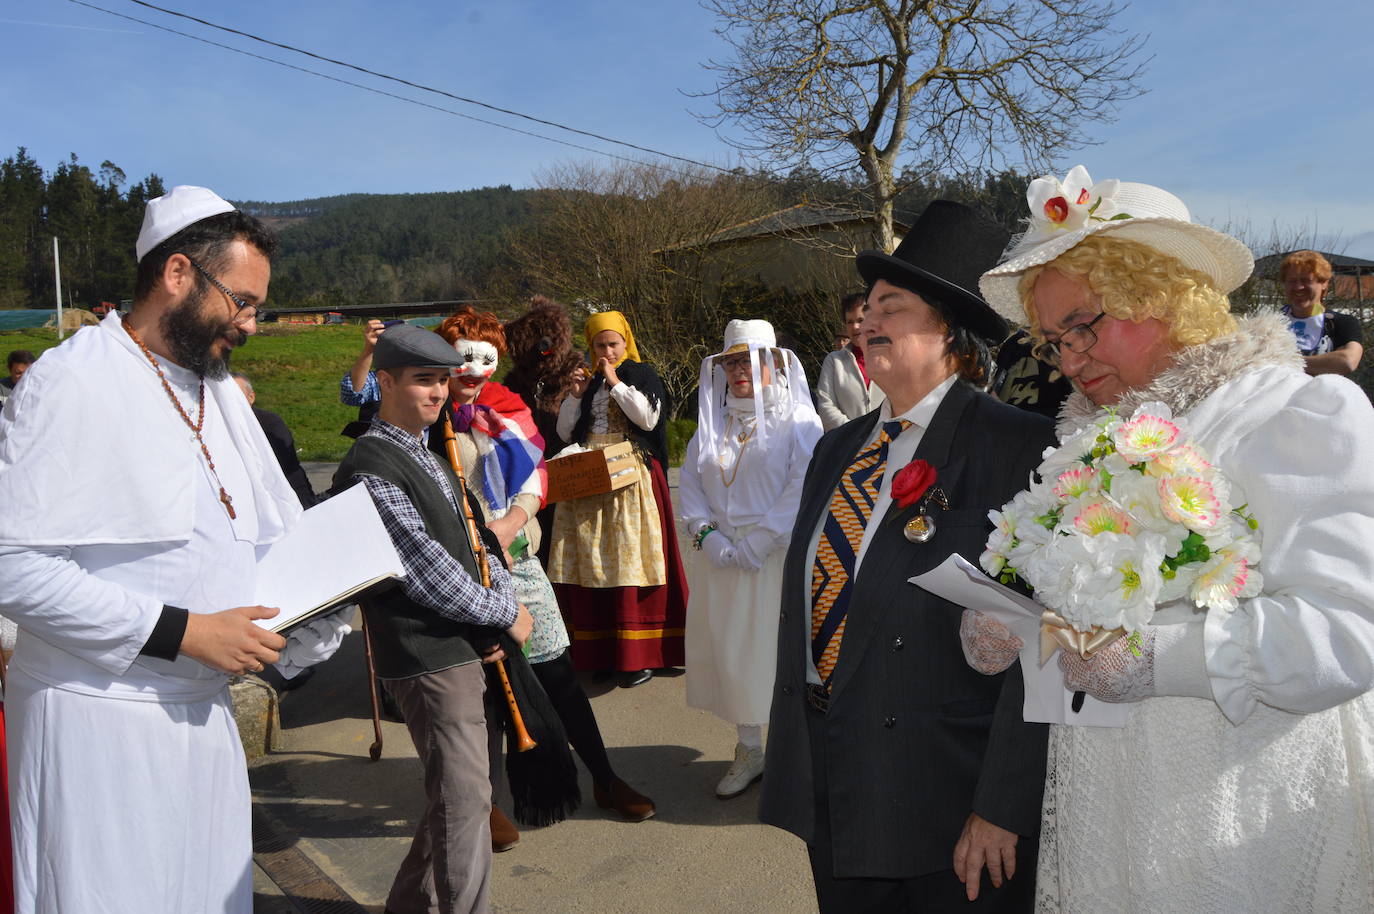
pixel 448 867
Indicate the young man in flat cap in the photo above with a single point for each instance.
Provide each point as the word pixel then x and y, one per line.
pixel 422 631
pixel 906 773
pixel 134 591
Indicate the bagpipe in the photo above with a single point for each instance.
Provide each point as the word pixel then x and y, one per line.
pixel 539 762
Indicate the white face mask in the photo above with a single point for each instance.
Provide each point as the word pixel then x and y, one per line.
pixel 479 359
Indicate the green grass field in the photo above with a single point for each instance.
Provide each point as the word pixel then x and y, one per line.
pixel 295 371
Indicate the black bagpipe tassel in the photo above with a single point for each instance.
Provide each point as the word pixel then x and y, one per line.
pixel 543 779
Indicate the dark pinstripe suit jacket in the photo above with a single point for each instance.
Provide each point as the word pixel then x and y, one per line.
pixel 914 739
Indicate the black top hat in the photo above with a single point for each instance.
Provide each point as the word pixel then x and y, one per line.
pixel 405 345
pixel 947 250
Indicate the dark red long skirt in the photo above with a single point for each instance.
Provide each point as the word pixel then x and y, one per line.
pixel 632 628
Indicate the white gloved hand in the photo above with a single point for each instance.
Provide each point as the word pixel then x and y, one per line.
pixel 312 643
pixel 1121 671
pixel 752 551
pixel 718 549
pixel 989 646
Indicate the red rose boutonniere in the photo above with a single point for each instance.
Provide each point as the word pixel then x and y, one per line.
pixel 914 483
pixel 911 482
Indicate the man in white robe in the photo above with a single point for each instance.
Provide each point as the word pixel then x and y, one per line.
pixel 136 487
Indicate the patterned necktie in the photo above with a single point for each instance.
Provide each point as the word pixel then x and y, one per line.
pixel 843 531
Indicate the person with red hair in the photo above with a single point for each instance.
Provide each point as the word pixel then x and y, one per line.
pixel 503 458
pixel 1331 342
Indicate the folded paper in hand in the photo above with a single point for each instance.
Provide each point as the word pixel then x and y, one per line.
pixel 337 552
pixel 1047 700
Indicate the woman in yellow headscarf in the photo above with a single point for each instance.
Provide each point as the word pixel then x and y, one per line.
pixel 614 559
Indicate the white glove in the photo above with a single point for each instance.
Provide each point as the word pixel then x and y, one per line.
pixel 752 551
pixel 312 643
pixel 989 646
pixel 718 549
pixel 1121 671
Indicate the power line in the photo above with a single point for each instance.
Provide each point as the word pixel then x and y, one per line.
pixel 366 88
pixel 424 88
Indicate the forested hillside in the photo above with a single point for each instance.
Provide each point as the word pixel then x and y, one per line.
pixel 364 248
pixel 94 219
pixel 349 249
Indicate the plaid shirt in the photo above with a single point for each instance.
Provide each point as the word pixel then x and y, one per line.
pixel 434 578
pixel 371 392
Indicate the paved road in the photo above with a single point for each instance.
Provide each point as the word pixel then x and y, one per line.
pixel 352 817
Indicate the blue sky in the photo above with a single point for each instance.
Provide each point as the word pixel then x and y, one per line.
pixel 1259 114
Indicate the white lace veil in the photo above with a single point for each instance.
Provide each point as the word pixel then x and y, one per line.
pixel 774 405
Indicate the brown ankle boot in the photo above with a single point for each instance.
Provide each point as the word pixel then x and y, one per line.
pixel 504 834
pixel 624 799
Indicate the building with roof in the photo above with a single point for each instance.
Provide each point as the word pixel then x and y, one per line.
pixel 797 250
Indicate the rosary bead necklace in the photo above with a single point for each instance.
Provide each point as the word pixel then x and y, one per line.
pixel 196 426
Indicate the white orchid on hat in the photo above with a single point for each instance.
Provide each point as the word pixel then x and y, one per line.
pixel 1069 205
pixel 1065 213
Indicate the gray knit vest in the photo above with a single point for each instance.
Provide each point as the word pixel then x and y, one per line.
pixel 409 638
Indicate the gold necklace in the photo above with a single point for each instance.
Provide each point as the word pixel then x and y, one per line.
pixel 196 426
pixel 743 438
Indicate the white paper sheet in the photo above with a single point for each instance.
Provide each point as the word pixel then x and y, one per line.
pixel 1047 701
pixel 339 548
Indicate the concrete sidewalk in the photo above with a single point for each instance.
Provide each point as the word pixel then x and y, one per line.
pixel 331 826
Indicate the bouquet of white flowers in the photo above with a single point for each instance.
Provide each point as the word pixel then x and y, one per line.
pixel 1123 517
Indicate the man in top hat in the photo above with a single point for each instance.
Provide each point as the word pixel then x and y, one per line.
pixel 134 591
pixel 422 631
pixel 907 774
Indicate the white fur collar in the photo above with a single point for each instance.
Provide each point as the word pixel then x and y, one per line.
pixel 1260 340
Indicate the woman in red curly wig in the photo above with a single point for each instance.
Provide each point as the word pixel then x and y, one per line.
pixel 502 454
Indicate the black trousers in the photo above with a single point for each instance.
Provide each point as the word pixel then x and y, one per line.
pixel 931 893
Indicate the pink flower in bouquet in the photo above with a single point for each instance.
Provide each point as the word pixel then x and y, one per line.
pixel 1073 483
pixel 1227 577
pixel 1183 460
pixel 1100 517
pixel 1191 501
pixel 911 482
pixel 1145 438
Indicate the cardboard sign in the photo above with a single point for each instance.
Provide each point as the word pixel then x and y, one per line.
pixel 592 472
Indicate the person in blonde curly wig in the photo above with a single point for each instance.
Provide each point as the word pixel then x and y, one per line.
pixel 1136 282
pixel 1240 778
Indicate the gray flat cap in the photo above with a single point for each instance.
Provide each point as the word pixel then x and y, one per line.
pixel 408 345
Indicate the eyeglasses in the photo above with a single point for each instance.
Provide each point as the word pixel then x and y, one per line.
pixel 735 363
pixel 239 304
pixel 1078 338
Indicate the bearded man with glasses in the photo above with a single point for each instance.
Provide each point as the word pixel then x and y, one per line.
pixel 127 778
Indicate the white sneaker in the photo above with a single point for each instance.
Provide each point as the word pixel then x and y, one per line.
pixel 744 770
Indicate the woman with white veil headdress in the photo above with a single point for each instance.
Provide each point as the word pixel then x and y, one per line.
pixel 741 481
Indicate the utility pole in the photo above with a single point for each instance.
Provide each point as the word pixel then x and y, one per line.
pixel 57 285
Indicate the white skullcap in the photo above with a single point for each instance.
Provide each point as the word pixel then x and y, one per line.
pixel 181 206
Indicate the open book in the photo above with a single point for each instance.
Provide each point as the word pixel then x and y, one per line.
pixel 337 552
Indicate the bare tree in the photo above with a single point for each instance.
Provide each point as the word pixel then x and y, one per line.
pixel 944 85
pixel 637 238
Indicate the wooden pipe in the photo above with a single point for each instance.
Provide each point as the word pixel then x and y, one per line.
pixel 523 741
pixel 375 750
